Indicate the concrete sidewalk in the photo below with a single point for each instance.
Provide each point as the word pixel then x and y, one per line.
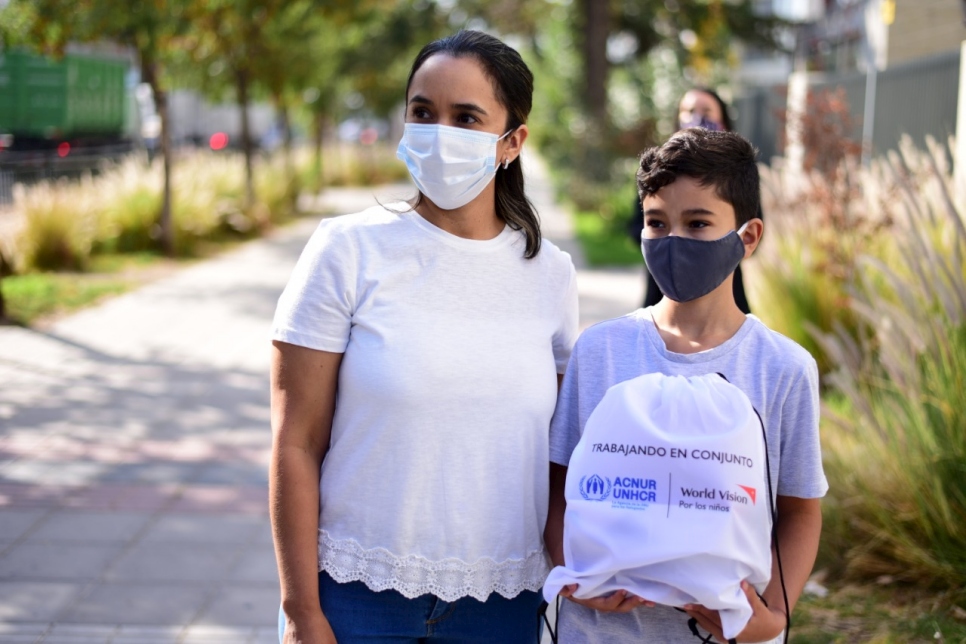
pixel 133 448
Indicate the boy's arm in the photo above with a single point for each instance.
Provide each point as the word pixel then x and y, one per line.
pixel 798 527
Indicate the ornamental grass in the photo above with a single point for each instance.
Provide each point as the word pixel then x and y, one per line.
pixel 879 292
pixel 117 210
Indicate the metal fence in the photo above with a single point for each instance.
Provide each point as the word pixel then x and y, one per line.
pixel 6 187
pixel 32 166
pixel 917 98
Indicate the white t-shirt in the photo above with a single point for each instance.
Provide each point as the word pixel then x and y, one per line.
pixel 778 376
pixel 436 478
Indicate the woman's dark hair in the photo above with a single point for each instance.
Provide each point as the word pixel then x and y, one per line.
pixel 724 160
pixel 726 123
pixel 513 83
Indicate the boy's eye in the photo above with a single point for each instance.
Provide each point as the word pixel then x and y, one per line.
pixel 654 223
pixel 698 224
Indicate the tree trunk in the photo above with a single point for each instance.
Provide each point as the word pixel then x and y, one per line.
pixel 286 139
pixel 596 14
pixel 594 143
pixel 241 81
pixel 165 223
pixel 318 127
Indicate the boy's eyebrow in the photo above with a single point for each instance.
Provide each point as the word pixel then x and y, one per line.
pixel 689 211
pixel 469 107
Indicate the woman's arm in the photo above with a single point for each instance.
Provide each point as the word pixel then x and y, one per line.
pixel 303 386
pixel 553 533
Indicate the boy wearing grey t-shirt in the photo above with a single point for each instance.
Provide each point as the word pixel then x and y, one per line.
pixel 700 194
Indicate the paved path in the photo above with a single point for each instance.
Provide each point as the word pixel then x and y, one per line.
pixel 133 448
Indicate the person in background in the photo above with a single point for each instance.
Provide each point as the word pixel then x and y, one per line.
pixel 702 107
pixel 699 107
pixel 417 353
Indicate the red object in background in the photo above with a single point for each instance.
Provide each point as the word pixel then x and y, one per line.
pixel 218 141
pixel 368 136
pixel 63 149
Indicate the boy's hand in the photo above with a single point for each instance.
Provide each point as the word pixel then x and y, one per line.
pixel 619 601
pixel 765 624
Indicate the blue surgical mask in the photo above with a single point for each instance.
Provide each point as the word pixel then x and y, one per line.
pixel 450 165
pixel 686 269
pixel 697 120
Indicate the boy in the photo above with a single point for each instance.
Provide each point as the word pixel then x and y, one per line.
pixel 700 194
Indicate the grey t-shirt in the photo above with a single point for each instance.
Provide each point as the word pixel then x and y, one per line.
pixel 778 376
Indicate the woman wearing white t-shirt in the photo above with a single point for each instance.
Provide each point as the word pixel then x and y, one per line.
pixel 414 374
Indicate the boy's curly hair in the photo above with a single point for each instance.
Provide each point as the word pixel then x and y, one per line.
pixel 725 160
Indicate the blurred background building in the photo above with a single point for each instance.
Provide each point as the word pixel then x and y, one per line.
pixel 885 68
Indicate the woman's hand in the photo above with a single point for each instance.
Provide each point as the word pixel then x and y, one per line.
pixel 765 624
pixel 619 601
pixel 309 629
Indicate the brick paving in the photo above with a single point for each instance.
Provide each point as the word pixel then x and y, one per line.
pixel 134 438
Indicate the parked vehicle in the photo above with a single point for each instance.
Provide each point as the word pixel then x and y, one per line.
pixel 79 100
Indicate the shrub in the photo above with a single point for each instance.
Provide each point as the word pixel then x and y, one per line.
pixel 816 226
pixel 350 165
pixel 895 441
pixel 59 225
pixel 127 220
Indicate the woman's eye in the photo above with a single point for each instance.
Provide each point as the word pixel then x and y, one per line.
pixel 469 119
pixel 420 113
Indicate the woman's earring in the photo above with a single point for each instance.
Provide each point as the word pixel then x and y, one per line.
pixel 506 162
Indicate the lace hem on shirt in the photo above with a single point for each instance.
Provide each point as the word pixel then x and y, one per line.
pixel 345 560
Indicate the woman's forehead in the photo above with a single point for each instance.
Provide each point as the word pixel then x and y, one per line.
pixel 697 99
pixel 444 73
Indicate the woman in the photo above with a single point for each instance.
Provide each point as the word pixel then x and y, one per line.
pixel 702 107
pixel 699 107
pixel 415 364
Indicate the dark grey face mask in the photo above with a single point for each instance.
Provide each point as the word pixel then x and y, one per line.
pixel 686 269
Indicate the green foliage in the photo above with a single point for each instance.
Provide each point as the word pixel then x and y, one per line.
pixel 604 243
pixel 877 615
pixel 604 232
pixel 30 297
pixel 656 50
pixel 16 21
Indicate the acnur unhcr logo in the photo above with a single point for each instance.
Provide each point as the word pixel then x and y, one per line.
pixel 595 488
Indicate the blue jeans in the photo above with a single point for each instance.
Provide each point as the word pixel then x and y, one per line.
pixel 362 616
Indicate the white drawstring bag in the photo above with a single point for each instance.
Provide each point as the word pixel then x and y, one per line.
pixel 668 499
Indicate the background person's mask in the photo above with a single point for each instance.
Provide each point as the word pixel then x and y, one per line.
pixel 686 269
pixel 450 165
pixel 702 122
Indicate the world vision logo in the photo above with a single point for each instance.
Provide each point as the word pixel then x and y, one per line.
pixel 752 492
pixel 595 488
